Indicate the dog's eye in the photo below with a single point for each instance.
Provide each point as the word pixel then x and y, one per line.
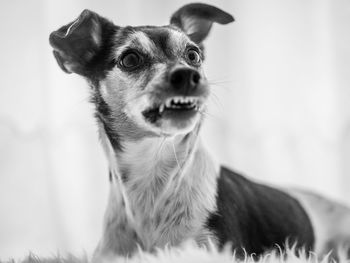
pixel 193 57
pixel 130 60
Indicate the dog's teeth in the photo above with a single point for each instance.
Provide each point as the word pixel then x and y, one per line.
pixel 168 103
pixel 161 108
pixel 179 102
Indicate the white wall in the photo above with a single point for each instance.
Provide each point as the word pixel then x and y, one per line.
pixel 280 111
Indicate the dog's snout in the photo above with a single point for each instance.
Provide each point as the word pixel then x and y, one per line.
pixel 185 79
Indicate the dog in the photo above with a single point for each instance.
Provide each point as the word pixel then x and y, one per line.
pixel 150 93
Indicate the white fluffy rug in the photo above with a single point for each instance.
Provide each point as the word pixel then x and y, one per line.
pixel 189 253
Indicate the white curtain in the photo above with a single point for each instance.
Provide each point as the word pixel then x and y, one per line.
pixel 279 111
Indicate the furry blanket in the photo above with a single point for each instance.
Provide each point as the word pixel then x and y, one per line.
pixel 190 253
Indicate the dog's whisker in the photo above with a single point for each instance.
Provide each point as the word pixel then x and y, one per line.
pixel 216 101
pixel 226 85
pixel 206 114
pixel 180 173
pixel 220 80
pixel 160 147
pixel 177 161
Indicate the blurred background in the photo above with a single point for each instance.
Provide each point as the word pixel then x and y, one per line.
pixel 279 112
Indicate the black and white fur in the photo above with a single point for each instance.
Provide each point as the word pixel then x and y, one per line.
pixel 150 93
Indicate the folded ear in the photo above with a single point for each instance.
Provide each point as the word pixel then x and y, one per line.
pixel 196 20
pixel 79 42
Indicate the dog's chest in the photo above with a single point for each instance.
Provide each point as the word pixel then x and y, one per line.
pixel 172 220
pixel 168 210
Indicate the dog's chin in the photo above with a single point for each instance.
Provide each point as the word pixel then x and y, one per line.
pixel 176 116
pixel 175 124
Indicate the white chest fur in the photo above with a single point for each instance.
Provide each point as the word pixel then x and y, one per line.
pixel 170 185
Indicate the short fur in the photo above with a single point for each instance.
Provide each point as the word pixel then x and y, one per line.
pixel 150 92
pixel 266 216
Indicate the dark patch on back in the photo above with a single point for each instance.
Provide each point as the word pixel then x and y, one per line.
pixel 257 217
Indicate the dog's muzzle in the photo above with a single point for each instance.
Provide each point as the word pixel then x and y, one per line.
pixel 182 97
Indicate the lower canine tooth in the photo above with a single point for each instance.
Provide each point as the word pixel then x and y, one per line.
pixel 161 108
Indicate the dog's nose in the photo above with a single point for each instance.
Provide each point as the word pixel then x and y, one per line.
pixel 185 79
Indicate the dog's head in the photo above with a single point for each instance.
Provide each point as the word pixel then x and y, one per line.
pixel 146 80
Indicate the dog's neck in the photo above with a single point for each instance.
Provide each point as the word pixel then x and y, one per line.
pixel 153 164
pixel 169 183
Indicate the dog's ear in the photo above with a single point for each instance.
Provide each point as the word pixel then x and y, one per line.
pixel 196 20
pixel 78 43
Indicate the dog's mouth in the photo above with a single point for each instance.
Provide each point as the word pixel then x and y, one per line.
pixel 177 107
